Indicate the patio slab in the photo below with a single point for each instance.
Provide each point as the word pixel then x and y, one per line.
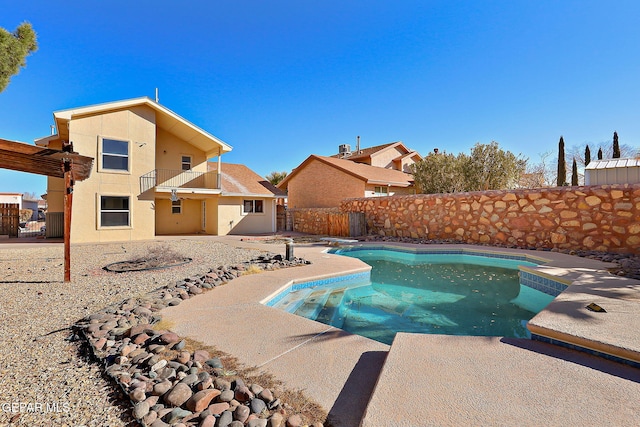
pixel 440 380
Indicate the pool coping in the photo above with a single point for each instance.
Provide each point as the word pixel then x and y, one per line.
pixel 565 321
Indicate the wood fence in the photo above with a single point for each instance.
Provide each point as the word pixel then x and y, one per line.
pixel 331 222
pixel 9 219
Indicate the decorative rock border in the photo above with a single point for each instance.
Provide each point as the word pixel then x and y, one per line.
pixel 168 385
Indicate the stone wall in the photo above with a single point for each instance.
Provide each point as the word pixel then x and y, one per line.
pixel 601 218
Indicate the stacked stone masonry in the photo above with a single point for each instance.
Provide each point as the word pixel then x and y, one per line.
pixel 599 218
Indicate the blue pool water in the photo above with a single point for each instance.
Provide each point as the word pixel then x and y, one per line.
pixel 453 294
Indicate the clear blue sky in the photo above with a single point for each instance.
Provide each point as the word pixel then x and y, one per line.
pixel 279 80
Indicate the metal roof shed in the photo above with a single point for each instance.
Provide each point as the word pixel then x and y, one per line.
pixel 612 171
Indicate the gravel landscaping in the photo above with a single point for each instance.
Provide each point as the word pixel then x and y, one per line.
pixel 44 378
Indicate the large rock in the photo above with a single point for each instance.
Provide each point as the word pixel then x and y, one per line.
pixel 199 401
pixel 178 395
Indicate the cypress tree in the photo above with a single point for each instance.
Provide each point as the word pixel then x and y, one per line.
pixel 600 154
pixel 587 156
pixel 562 164
pixel 574 173
pixel 616 146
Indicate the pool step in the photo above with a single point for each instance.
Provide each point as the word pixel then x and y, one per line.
pixel 331 310
pixel 313 304
pixel 292 301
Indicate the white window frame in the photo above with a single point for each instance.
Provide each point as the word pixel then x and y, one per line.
pixel 182 162
pixel 178 204
pixel 383 190
pixel 252 211
pixel 101 154
pixel 100 211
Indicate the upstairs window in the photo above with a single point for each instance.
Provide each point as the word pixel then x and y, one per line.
pixel 253 206
pixel 115 154
pixel 186 163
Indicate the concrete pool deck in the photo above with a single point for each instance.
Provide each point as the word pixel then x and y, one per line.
pixel 434 379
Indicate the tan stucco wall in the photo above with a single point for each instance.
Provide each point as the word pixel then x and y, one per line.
pixel 231 220
pixel 321 186
pixel 370 191
pixel 211 212
pixel 170 149
pixel 384 159
pixel 189 221
pixel 137 126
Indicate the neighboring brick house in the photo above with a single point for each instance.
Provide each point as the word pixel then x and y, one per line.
pixel 394 155
pixel 322 182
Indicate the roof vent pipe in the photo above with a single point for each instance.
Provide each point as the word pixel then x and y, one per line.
pixel 358 144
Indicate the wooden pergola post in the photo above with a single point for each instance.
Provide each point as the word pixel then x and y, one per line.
pixel 65 164
pixel 68 201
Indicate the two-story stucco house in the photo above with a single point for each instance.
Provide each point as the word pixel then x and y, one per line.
pixel 150 176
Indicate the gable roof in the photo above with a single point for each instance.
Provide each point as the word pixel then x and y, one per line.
pixel 165 119
pixel 239 180
pixel 364 153
pixel 367 153
pixel 613 163
pixel 368 174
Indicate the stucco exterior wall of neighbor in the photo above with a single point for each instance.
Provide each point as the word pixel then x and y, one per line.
pixel 602 218
pixel 136 125
pixel 384 159
pixel 370 190
pixel 320 186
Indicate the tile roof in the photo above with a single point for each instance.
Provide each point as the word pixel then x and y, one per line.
pixel 367 173
pixel 238 179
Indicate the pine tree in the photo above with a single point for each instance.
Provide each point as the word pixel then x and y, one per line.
pixel 587 156
pixel 562 164
pixel 616 146
pixel 600 154
pixel 574 173
pixel 14 49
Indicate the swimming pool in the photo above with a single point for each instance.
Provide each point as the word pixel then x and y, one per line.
pixel 436 292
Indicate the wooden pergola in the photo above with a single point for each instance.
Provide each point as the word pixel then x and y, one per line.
pixel 56 163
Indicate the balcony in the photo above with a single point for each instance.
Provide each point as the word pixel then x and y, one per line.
pixel 165 180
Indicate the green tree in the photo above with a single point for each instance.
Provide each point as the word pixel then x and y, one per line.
pixel 574 173
pixel 616 146
pixel 276 178
pixel 439 173
pixel 562 164
pixel 599 153
pixel 587 156
pixel 487 168
pixel 14 49
pixel 491 168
